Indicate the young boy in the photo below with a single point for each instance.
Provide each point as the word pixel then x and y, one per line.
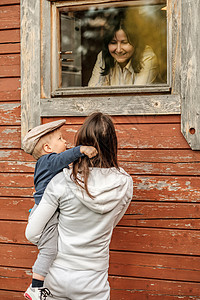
pixel 47 146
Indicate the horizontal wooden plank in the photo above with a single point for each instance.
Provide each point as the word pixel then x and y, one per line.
pixel 17 166
pixel 156 210
pixel 9 84
pixel 16 185
pixel 160 168
pixel 8 2
pixel 185 162
pixel 140 136
pixel 145 265
pixel 11 154
pixel 164 223
pixel 159 155
pixel 9 48
pixel 13 232
pixel 10 16
pixel 145 136
pixel 156 119
pixel 10 95
pixel 112 104
pixel 152 188
pixel 10 36
pixel 139 214
pixel 20 206
pixel 10 137
pixel 16 180
pixel 120 294
pixel 6 191
pixel 10 89
pixel 166 188
pixel 121 287
pixel 168 241
pixel 10 295
pixel 152 240
pixel 15 279
pixel 10 113
pixel 9 59
pixel 10 65
pixel 9 71
pixel 146 188
pixel 124 288
pixel 127 155
pixel 18 255
pixel 164 215
pixel 186 169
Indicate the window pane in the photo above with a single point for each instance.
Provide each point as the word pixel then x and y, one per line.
pixel 113 46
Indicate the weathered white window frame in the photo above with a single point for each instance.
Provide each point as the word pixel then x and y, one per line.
pixel 41 98
pixel 56 91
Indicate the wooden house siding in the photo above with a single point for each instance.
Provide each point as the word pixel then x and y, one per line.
pixel 154 253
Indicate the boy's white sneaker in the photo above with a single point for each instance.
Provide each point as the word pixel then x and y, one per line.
pixel 36 293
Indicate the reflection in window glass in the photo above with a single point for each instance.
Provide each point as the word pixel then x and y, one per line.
pixel 113 46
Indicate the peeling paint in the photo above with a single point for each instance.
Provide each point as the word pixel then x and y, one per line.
pixel 71 130
pixel 29 273
pixel 9 130
pixel 5 154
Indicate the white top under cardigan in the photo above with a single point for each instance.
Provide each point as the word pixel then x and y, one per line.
pixel 85 225
pixel 126 76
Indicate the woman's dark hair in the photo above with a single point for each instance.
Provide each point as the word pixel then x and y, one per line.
pixel 132 31
pixel 98 131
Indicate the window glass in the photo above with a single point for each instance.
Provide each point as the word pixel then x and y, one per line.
pixel 113 45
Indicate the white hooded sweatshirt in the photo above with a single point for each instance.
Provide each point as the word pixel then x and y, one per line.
pixel 85 225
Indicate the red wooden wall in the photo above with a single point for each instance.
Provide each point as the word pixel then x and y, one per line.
pixel 155 250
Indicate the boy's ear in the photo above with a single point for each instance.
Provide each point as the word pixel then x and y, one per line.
pixel 47 148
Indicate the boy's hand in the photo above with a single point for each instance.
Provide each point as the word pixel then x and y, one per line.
pixel 90 151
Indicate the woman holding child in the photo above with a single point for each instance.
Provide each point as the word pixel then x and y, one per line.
pixel 92 197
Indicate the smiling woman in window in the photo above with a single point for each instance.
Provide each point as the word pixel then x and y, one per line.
pixel 125 58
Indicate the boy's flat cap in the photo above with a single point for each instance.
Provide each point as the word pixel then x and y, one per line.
pixel 32 137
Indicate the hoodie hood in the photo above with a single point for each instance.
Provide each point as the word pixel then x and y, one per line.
pixel 107 186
